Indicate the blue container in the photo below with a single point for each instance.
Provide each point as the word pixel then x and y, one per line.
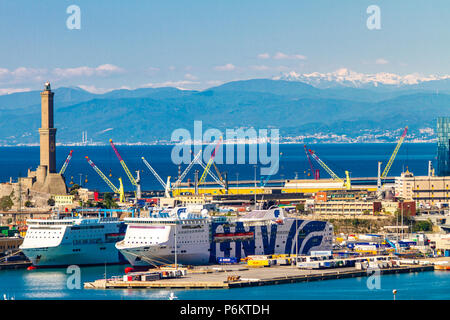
pixel 447 253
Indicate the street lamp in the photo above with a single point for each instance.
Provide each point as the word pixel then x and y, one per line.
pixel 255 166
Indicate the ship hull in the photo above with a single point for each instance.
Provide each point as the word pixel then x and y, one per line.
pixel 64 255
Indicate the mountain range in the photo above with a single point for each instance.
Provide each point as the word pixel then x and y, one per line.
pixel 295 107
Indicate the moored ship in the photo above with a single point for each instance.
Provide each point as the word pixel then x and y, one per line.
pixel 184 237
pixel 74 240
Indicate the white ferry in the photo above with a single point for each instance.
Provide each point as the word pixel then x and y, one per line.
pixel 196 238
pixel 74 240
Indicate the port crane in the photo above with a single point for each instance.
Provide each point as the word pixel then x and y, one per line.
pixel 394 154
pixel 188 168
pixel 198 160
pixel 346 183
pixel 314 171
pixel 66 163
pixel 212 175
pixel 208 165
pixel 166 186
pixel 127 171
pixel 119 190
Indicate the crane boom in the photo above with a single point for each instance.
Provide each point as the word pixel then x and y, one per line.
pixel 330 172
pixel 124 166
pixel 66 163
pixel 155 173
pixel 309 160
pixel 119 191
pixel 394 154
pixel 217 171
pixel 208 166
pixel 188 168
pixel 100 173
pixel 212 175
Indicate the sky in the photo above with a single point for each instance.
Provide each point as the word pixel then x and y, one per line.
pixel 199 44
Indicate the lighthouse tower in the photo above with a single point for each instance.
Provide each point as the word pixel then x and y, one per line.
pixel 47 132
pixel 45 178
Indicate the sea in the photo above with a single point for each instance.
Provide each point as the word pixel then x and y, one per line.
pixel 58 283
pixel 359 159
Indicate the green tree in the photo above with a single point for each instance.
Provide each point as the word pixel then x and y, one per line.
pixel 300 207
pixel 6 203
pixel 109 201
pixel 422 226
pixel 28 204
pixel 51 202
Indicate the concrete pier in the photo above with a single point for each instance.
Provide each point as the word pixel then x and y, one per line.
pixel 220 277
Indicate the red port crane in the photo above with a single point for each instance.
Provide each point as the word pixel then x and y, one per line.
pixel 66 163
pixel 314 171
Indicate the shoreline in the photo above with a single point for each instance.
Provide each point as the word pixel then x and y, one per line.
pixel 205 144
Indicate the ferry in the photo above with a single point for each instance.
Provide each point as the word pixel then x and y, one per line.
pixel 74 239
pixel 181 236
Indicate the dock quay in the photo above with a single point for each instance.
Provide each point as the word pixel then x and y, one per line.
pixel 238 277
pixel 14 265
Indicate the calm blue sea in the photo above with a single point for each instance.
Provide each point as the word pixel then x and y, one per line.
pixel 360 159
pixel 52 284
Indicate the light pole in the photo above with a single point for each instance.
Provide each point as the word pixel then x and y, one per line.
pixel 255 184
pixel 80 178
pixel 176 243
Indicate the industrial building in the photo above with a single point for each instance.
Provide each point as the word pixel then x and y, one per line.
pixel 423 189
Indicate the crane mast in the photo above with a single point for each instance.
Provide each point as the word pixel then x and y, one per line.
pixel 66 163
pixel 394 154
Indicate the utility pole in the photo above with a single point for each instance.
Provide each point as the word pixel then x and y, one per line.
pixel 196 182
pixel 379 180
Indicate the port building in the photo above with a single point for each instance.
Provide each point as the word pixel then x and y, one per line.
pixel 423 189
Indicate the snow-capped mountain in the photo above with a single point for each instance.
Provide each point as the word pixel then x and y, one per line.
pixel 348 78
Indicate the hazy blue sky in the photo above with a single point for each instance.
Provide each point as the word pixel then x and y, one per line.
pixel 198 44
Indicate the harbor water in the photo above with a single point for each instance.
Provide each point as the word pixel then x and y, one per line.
pixel 57 284
pixel 359 159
